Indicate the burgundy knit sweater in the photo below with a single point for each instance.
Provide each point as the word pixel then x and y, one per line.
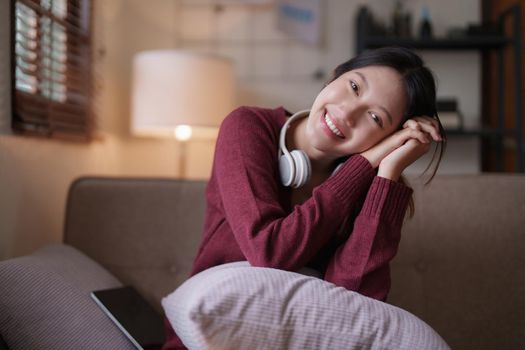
pixel 349 229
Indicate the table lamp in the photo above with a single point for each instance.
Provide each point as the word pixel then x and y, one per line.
pixel 176 92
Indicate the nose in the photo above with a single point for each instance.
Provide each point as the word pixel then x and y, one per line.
pixel 350 118
pixel 350 113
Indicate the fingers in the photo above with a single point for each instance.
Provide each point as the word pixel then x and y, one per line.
pixel 399 159
pixel 412 124
pixel 426 124
pixel 413 130
pixel 413 150
pixel 413 133
pixel 416 145
pixel 431 126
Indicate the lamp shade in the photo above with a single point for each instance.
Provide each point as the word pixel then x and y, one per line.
pixel 173 88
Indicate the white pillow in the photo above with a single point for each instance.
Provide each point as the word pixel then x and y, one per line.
pixel 236 306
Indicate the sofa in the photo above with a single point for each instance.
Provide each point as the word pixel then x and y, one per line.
pixel 459 267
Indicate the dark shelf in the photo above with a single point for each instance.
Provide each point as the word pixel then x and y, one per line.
pixel 497 43
pixel 467 43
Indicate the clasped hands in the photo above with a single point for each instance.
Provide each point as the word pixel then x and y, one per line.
pixel 397 151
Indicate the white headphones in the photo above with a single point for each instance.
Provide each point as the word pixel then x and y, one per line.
pixel 294 167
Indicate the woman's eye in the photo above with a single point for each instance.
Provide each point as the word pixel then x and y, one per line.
pixel 376 119
pixel 354 87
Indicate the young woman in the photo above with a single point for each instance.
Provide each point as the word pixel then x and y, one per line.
pixel 375 117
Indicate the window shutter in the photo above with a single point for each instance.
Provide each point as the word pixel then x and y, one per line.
pixel 52 83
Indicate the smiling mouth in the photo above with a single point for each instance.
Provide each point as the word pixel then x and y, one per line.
pixel 332 127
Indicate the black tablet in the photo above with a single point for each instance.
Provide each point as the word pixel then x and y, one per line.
pixel 139 321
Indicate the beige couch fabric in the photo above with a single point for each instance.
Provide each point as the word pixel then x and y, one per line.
pixel 459 267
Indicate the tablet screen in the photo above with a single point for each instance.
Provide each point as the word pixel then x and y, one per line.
pixel 141 323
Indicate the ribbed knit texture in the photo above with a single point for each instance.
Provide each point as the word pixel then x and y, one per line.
pixel 347 183
pixel 249 216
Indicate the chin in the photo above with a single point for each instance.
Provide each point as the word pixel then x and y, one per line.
pixel 329 152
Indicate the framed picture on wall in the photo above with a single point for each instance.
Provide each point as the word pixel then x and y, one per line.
pixel 301 19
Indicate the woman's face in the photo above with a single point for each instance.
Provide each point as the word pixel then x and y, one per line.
pixel 356 111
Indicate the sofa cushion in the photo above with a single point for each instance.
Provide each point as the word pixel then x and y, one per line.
pixel 45 302
pixel 236 306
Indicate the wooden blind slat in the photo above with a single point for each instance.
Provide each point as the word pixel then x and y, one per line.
pixel 35 114
pixel 72 25
pixel 28 101
pixel 72 42
pixel 24 45
pixel 27 26
pixel 75 61
pixel 74 85
pixel 75 53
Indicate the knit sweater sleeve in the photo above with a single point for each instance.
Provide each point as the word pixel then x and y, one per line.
pixel 362 262
pixel 246 172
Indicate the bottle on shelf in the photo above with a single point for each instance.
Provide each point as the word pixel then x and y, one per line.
pixel 425 28
pixel 401 21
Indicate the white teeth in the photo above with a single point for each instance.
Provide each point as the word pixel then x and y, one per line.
pixel 332 127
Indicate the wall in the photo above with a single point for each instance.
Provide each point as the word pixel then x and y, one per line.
pixel 35 173
pixel 273 69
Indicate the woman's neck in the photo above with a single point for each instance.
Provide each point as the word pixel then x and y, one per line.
pixel 296 139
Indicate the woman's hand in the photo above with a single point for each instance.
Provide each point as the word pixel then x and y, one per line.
pixel 394 153
pixel 377 153
pixel 398 160
pixel 426 124
pixel 392 166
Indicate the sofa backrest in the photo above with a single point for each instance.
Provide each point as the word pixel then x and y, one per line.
pixel 459 265
pixel 461 258
pixel 145 231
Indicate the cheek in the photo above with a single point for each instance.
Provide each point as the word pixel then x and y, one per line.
pixel 368 138
pixel 333 92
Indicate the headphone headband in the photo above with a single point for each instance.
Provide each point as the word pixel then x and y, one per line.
pixel 282 138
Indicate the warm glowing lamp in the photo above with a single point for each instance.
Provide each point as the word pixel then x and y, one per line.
pixel 178 92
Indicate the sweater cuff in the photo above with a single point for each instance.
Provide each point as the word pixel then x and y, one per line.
pixel 387 199
pixel 352 179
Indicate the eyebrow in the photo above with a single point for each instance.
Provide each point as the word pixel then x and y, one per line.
pixel 363 78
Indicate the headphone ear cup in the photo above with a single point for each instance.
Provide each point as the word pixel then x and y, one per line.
pixel 294 167
pixel 303 168
pixel 286 169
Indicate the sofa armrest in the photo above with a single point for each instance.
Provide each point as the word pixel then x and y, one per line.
pixel 143 230
pixel 45 302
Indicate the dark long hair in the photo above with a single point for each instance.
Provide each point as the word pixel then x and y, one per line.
pixel 420 87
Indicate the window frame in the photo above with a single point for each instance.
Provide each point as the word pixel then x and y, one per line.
pixel 35 114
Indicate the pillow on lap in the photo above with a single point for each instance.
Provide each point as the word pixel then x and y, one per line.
pixel 236 306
